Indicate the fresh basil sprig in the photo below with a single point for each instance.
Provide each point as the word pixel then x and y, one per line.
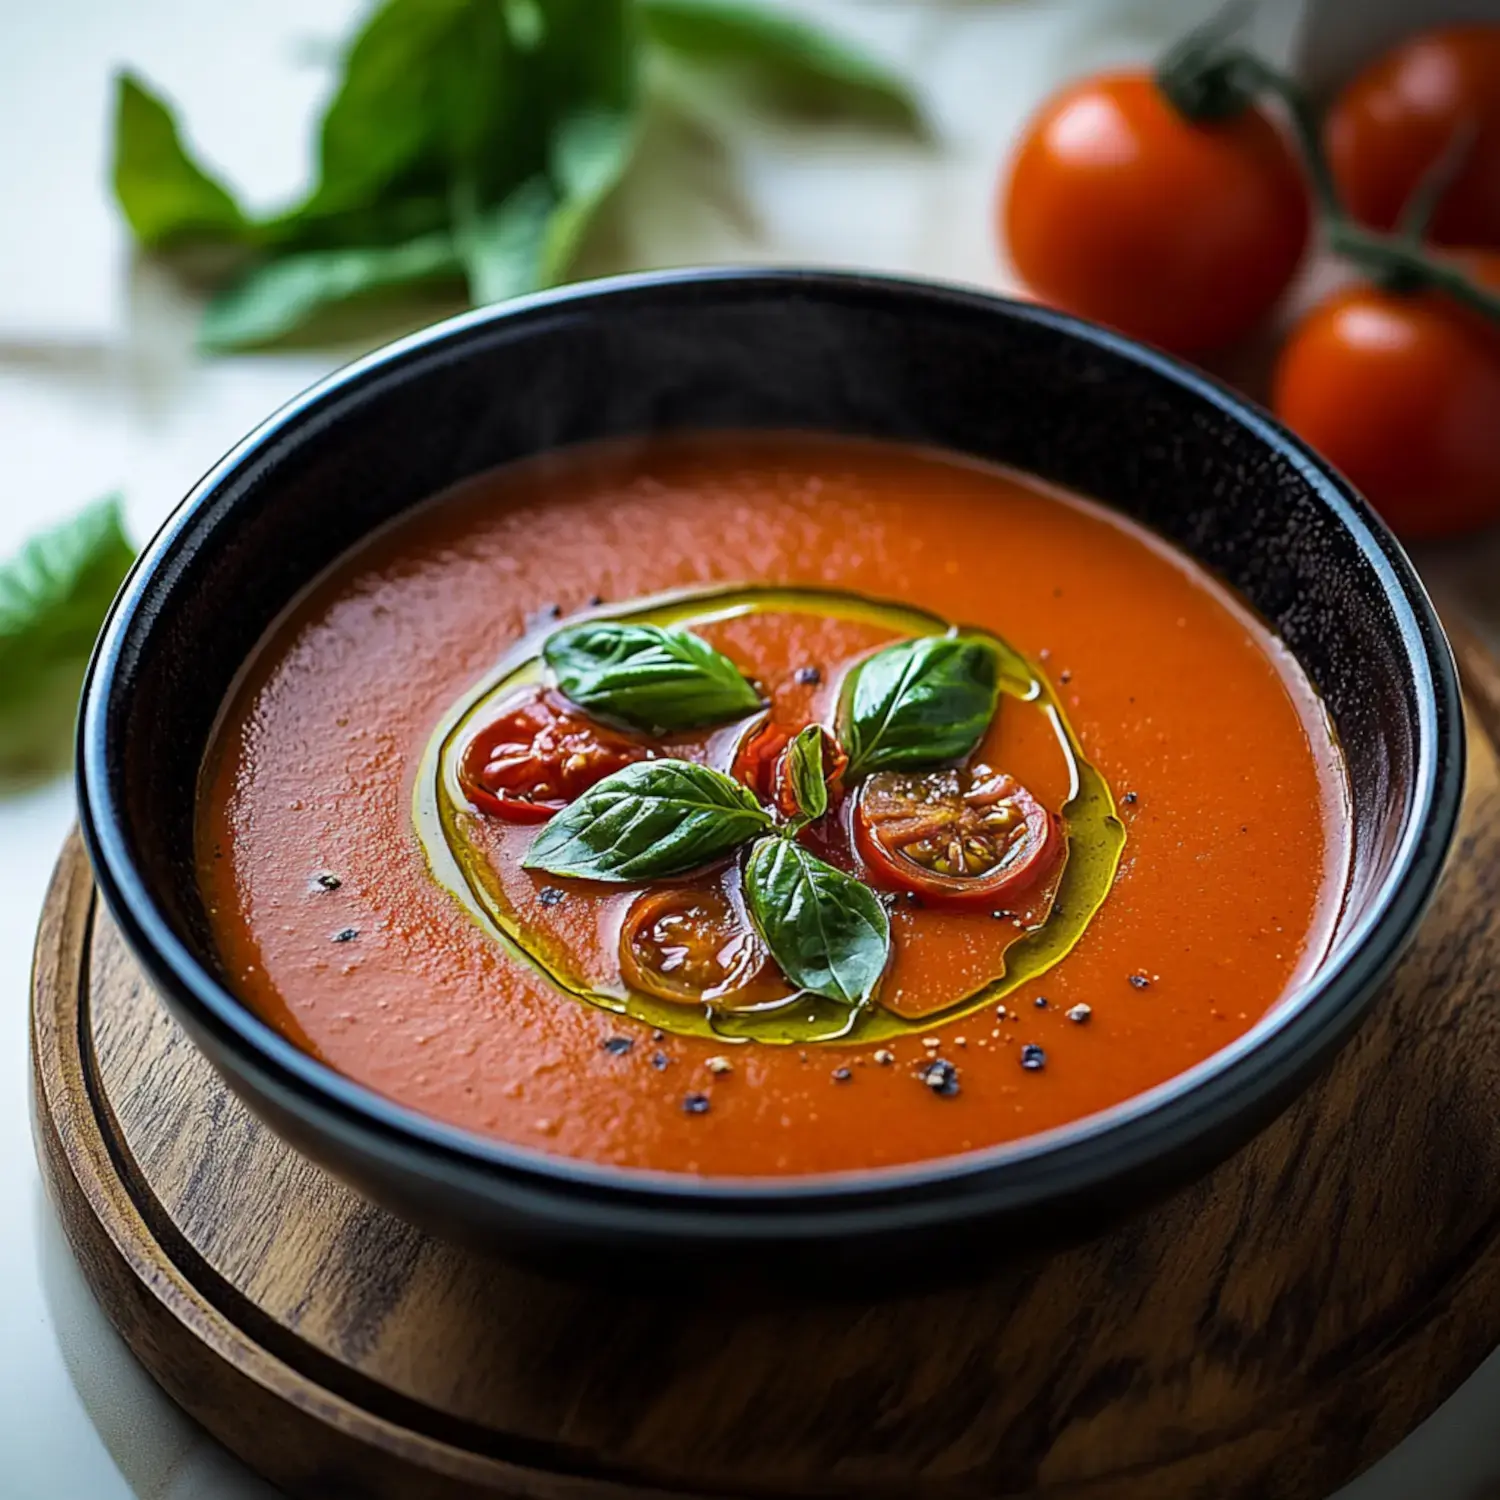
pixel 653 818
pixel 469 145
pixel 647 676
pixel 828 932
pixel 921 702
pixel 54 595
pixel 805 763
pixel 658 818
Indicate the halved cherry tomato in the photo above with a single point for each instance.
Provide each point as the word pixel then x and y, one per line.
pixel 755 760
pixel 1436 92
pixel 958 838
pixel 690 945
pixel 1402 393
pixel 537 754
pixel 761 764
pixel 1121 209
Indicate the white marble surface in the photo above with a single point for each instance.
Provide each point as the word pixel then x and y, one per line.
pixel 99 391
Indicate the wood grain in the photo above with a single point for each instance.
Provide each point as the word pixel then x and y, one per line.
pixel 1262 1336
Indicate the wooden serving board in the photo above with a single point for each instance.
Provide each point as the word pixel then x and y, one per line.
pixel 1263 1336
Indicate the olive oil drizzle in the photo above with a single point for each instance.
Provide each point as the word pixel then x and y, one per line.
pixel 1095 835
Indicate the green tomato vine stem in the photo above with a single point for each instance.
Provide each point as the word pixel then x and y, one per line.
pixel 1206 80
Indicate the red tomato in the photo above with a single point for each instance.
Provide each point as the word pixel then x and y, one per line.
pixel 958 838
pixel 1122 210
pixel 755 760
pixel 1396 119
pixel 690 945
pixel 761 764
pixel 537 754
pixel 1402 394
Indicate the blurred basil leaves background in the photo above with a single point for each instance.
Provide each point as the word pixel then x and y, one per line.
pixel 470 144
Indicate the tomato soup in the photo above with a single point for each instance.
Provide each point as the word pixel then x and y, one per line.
pixel 759 805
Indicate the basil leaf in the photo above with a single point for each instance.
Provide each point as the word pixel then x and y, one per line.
pixel 805 763
pixel 828 932
pixel 588 66
pixel 427 85
pixel 281 296
pixel 653 818
pixel 798 60
pixel 921 702
pixel 502 249
pixel 647 676
pixel 54 595
pixel 583 70
pixel 165 194
pixel 534 236
pixel 590 152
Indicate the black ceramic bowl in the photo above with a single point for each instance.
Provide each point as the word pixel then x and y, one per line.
pixel 849 354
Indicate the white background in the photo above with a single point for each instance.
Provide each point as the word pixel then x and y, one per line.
pixel 99 390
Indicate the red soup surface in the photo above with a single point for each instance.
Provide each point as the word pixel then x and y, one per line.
pixel 1049 950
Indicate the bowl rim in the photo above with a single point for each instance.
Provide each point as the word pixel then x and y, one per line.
pixel 1080 1156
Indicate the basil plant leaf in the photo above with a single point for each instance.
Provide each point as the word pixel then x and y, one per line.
pixel 590 151
pixel 589 63
pixel 281 296
pixel 829 933
pixel 467 141
pixel 922 702
pixel 653 818
pixel 502 247
pixel 426 86
pixel 805 763
pixel 533 237
pixel 165 195
pixel 796 59
pixel 582 58
pixel 647 676
pixel 54 595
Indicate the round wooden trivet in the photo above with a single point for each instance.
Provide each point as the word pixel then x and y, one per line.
pixel 1266 1334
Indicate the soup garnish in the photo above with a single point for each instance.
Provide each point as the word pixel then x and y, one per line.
pixel 800 834
pixel 710 805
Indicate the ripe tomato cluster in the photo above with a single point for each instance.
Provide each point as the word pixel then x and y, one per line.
pixel 1174 207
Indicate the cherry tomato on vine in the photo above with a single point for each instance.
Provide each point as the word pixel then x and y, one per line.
pixel 762 765
pixel 1121 209
pixel 1402 393
pixel 536 755
pixel 958 838
pixel 1435 92
pixel 690 946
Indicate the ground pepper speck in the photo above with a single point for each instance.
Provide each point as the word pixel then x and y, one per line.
pixel 941 1077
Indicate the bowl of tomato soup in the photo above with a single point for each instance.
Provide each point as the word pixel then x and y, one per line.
pixel 805 765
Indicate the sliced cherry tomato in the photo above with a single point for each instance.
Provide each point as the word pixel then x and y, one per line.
pixel 537 754
pixel 755 760
pixel 1121 209
pixel 1402 393
pixel 761 764
pixel 1435 92
pixel 958 838
pixel 689 945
